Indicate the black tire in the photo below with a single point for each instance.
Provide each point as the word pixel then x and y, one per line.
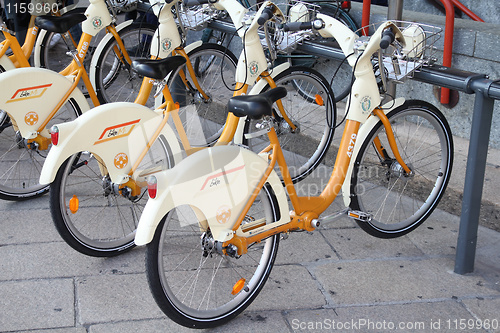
pixel 115 81
pixel 105 222
pixel 305 148
pixel 215 68
pixel 213 285
pixel 21 162
pixel 398 203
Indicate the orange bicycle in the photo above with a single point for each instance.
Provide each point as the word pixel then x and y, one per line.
pixel 212 223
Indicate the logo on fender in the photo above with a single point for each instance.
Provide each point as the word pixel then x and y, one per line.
pixel 215 181
pixel 31 118
pixel 121 160
pixel 223 214
pixel 117 131
pixel 29 93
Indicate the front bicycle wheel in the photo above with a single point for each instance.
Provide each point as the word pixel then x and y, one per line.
pixel 21 160
pixel 204 111
pixel 397 202
pixel 342 81
pixel 115 81
pixel 92 214
pixel 310 107
pixel 194 284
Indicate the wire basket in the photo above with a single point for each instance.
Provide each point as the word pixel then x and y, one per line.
pixel 197 17
pixel 400 62
pixel 284 42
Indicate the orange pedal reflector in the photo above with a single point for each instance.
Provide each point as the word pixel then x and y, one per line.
pixel 238 286
pixel 73 204
pixel 319 100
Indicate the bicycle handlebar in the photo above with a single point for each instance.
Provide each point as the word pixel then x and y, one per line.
pixel 267 13
pixel 298 26
pixel 387 38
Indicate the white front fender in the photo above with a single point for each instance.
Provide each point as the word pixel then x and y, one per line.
pixel 116 131
pixel 29 95
pixel 362 135
pixel 94 63
pixel 212 180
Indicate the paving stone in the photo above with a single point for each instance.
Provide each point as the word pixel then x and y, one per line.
pixel 304 247
pixel 48 260
pixel 108 298
pixel 357 244
pixel 27 226
pixel 58 330
pixel 269 321
pixel 289 287
pixel 381 281
pixel 486 310
pixel 416 317
pixel 438 235
pixel 36 304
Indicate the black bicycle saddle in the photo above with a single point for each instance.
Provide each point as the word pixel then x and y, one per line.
pixel 255 106
pixel 157 69
pixel 59 24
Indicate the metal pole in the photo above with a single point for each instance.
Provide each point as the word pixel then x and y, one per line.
pixel 474 179
pixel 394 12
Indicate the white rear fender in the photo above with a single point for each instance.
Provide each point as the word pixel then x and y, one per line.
pixel 116 132
pixel 218 182
pixel 30 94
pixel 362 134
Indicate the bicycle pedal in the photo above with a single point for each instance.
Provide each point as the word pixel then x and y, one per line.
pixel 359 215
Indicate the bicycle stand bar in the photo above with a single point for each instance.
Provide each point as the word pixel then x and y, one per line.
pixel 448 77
pixel 473 187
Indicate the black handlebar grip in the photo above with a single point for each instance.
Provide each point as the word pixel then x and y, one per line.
pixel 297 26
pixel 267 13
pixel 387 38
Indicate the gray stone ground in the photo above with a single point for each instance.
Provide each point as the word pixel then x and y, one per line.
pixel 337 274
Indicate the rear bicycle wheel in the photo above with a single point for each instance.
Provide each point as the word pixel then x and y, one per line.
pixel 399 203
pixel 310 106
pixel 214 69
pixel 103 223
pixel 21 160
pixel 191 282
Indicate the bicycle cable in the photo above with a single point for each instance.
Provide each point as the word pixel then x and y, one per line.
pixel 244 55
pixel 350 88
pixel 142 23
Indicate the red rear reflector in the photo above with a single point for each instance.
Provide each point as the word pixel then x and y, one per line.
pixel 346 5
pixel 152 187
pixel 54 135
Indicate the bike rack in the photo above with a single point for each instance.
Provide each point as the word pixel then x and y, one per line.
pixel 486 92
pixel 449 6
